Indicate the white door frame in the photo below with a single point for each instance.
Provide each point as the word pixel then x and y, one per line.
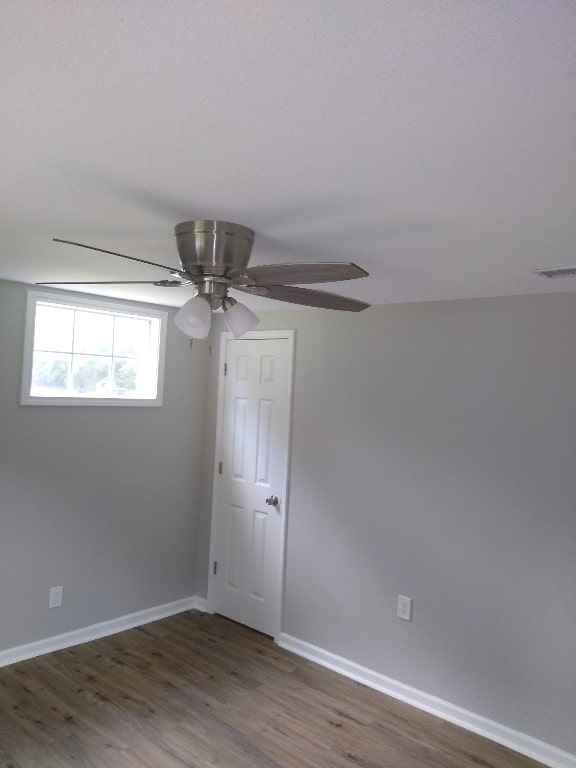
pixel 225 336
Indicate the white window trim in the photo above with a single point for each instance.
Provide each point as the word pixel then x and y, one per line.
pixel 35 296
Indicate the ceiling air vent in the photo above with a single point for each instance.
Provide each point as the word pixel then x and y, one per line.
pixel 556 272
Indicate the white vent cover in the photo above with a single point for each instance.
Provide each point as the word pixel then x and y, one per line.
pixel 556 272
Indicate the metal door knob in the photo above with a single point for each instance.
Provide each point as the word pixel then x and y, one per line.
pixel 272 500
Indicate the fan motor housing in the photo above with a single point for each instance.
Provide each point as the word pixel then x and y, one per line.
pixel 218 248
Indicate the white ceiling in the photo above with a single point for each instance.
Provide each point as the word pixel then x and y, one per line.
pixel 433 142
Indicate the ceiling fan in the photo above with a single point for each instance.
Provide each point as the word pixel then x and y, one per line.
pixel 214 256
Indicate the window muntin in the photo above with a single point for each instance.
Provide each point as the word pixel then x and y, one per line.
pixel 86 352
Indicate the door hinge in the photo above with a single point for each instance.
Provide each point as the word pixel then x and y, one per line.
pixel 219 467
pixel 225 369
pixel 215 568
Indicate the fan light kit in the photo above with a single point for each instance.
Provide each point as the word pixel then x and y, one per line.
pixel 214 258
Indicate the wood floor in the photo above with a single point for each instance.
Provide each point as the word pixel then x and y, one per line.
pixel 198 690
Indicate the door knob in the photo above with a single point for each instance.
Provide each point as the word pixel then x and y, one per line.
pixel 272 500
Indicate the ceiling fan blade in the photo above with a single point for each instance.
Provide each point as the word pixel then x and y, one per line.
pixel 296 274
pixel 122 256
pixel 162 283
pixel 306 296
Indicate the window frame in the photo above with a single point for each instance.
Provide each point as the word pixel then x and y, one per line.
pixel 104 305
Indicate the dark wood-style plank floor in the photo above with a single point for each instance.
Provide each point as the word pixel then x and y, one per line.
pixel 200 691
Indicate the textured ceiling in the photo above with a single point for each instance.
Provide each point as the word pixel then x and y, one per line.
pixel 433 142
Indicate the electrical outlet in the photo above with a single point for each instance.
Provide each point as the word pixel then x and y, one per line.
pixel 404 608
pixel 56 596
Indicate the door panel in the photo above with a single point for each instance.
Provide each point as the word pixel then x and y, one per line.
pixel 247 533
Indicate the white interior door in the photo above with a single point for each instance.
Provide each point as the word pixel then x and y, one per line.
pixel 250 481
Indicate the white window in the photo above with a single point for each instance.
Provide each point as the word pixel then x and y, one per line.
pixel 87 352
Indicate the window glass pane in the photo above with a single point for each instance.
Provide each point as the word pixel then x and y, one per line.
pixel 53 328
pixel 131 336
pixel 90 375
pixel 50 373
pixel 93 333
pixel 129 380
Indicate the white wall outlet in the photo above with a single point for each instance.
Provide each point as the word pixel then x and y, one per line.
pixel 404 608
pixel 56 596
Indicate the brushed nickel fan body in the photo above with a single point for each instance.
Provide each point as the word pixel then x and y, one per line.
pixel 212 253
pixel 217 248
pixel 214 257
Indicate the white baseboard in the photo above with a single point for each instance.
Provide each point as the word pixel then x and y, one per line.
pixel 94 631
pixel 519 742
pixel 201 604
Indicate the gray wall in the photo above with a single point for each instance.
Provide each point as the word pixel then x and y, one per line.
pixel 100 500
pixel 433 455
